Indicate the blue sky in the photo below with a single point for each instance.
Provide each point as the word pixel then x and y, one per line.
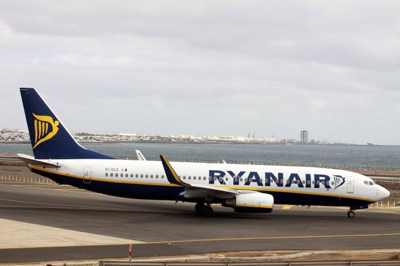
pixel 207 67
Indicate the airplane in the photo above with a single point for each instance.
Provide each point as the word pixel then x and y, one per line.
pixel 245 188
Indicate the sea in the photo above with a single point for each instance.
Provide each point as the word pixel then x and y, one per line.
pixel 354 157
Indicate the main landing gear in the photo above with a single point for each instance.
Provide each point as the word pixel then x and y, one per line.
pixel 204 209
pixel 351 213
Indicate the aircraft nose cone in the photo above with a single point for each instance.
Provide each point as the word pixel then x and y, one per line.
pixel 384 193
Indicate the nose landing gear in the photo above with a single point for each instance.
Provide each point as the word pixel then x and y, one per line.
pixel 351 214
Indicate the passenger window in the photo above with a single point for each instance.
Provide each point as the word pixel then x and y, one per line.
pixel 111 174
pixel 162 176
pixel 131 175
pixel 151 176
pixel 156 176
pixel 141 175
pixel 147 176
pixel 106 174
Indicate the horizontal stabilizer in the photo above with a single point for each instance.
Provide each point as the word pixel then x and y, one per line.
pixel 31 160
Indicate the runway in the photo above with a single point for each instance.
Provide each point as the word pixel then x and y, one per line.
pixel 40 222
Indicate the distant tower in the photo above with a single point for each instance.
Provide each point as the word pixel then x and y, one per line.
pixel 304 136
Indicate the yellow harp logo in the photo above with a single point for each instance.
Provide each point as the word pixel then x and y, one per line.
pixel 42 125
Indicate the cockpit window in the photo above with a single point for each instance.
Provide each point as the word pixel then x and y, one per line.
pixel 369 183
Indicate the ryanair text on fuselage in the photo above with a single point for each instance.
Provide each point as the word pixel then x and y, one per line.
pixel 295 179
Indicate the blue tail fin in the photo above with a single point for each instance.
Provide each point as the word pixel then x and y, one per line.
pixel 49 138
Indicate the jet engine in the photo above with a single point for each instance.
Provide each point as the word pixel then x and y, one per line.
pixel 251 202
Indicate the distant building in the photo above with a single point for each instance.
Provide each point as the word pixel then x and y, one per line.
pixel 304 136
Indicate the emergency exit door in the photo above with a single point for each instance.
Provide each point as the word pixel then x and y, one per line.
pixel 350 184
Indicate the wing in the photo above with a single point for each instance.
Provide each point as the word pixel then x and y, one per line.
pixel 195 190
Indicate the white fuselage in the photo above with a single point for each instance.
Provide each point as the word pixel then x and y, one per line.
pixel 289 185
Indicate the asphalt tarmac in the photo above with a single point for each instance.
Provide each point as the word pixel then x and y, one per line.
pixel 43 222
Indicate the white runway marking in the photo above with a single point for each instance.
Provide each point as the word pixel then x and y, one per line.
pixel 16 234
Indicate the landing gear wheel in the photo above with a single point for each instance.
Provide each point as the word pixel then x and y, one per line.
pixel 351 214
pixel 207 211
pixel 204 210
pixel 199 206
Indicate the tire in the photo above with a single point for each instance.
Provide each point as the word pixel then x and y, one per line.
pixel 199 206
pixel 204 210
pixel 351 214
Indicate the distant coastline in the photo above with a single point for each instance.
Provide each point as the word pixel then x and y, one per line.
pixel 200 142
pixel 16 136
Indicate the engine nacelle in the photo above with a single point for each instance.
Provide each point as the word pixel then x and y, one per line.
pixel 251 202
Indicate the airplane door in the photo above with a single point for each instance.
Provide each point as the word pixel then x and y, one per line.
pixel 350 184
pixel 87 174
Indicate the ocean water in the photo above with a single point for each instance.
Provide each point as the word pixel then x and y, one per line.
pixel 335 156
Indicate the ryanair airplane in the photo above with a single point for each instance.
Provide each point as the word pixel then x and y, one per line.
pixel 245 188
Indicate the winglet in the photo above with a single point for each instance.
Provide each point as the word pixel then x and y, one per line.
pixel 140 155
pixel 172 177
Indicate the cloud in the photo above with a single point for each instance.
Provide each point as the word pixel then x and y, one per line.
pixel 224 67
